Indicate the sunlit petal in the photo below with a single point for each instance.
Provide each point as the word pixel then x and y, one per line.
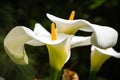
pixel 69 26
pixel 40 30
pixel 14 44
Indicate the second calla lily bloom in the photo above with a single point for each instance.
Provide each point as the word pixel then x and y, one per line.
pixel 98 57
pixel 102 36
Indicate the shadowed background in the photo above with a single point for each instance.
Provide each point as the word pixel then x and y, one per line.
pixel 28 12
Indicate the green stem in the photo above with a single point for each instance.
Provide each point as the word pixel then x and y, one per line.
pixel 55 74
pixel 92 75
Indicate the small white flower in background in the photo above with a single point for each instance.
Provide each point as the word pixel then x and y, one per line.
pixel 1 78
pixel 99 56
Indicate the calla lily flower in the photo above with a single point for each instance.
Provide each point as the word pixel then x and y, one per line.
pixel 20 35
pixel 102 36
pixel 98 57
pixel 59 49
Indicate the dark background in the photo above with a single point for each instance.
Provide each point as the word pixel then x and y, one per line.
pixel 28 12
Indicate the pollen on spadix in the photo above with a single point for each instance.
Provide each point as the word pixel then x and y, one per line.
pixel 53 32
pixel 72 15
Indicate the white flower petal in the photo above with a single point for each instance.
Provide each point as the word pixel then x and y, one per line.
pixel 70 26
pixel 2 78
pixel 48 40
pixel 108 51
pixel 35 42
pixel 104 37
pixel 80 41
pixel 41 39
pixel 40 30
pixel 14 44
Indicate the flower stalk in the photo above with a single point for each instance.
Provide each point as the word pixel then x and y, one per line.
pixel 92 75
pixel 55 74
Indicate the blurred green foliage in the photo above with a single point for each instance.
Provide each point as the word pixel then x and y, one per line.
pixel 28 12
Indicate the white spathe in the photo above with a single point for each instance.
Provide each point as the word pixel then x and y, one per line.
pixel 19 36
pixel 102 36
pixel 99 56
pixel 78 41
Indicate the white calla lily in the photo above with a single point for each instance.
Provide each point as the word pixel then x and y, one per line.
pixel 19 36
pixel 108 51
pixel 98 57
pixel 59 49
pixel 102 36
